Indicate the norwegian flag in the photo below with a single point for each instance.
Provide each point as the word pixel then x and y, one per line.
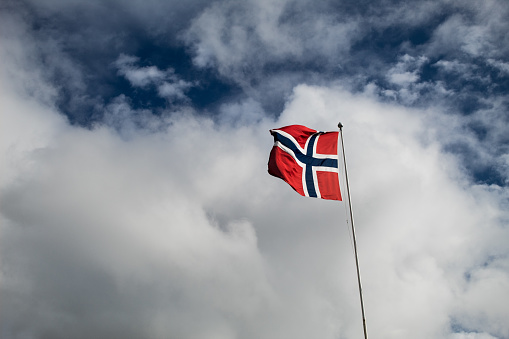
pixel 307 160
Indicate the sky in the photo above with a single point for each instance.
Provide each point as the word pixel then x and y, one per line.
pixel 135 200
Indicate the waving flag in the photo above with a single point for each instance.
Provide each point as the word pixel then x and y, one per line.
pixel 307 160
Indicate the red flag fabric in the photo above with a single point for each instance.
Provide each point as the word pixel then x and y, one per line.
pixel 307 160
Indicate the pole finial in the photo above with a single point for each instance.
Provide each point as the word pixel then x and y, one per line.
pixel 340 125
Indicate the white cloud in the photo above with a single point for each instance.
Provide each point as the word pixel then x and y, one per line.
pixel 155 227
pixel 138 76
pixel 232 36
pixel 168 84
pixel 175 90
pixel 478 30
pixel 406 71
pixel 419 244
pixel 148 233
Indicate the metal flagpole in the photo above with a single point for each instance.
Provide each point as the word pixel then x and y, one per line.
pixel 353 233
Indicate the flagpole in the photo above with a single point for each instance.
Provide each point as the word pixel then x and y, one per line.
pixel 353 233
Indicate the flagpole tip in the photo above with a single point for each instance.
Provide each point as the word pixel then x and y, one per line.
pixel 340 125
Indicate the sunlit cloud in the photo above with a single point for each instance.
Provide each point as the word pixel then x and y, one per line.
pixel 151 216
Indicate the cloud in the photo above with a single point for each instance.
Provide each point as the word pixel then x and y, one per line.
pixel 472 335
pixel 168 84
pixel 249 42
pixel 502 66
pixel 404 72
pixel 421 250
pixel 430 54
pixel 477 31
pixel 138 76
pixel 144 234
pixel 160 221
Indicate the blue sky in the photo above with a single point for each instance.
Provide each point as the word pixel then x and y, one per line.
pixel 134 196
